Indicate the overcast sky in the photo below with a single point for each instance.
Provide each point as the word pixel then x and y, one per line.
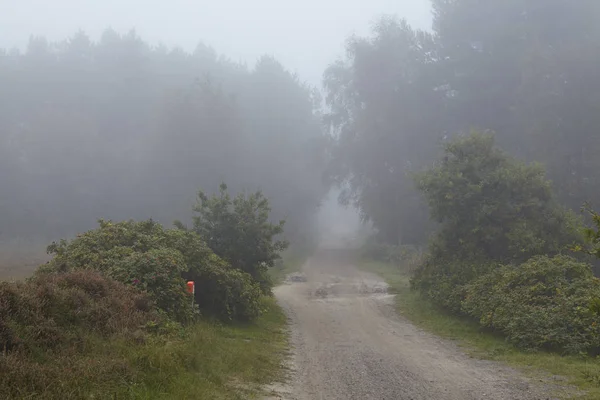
pixel 304 35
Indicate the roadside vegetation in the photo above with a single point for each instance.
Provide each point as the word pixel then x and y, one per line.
pixel 472 165
pixel 508 271
pixel 560 370
pixel 479 233
pixel 109 316
pixel 504 252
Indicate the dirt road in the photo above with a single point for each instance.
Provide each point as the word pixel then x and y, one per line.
pixel 349 344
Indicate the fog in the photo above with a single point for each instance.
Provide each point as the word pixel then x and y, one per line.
pixel 339 226
pixel 125 109
pixel 304 36
pixel 96 109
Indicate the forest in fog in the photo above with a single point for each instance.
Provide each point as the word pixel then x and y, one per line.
pixel 526 70
pixel 119 128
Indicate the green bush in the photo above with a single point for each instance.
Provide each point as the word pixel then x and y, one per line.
pixel 157 261
pixel 544 303
pixel 239 231
pixel 112 241
pixel 227 293
pixel 442 275
pixel 492 209
pixel 158 272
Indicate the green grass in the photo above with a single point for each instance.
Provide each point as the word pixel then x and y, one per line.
pixel 214 361
pixel 581 372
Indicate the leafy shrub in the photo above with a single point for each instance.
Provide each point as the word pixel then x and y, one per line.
pixel 446 290
pixel 159 273
pixel 238 230
pixel 545 303
pixel 442 276
pixel 100 248
pixel 227 293
pixel 156 261
pixel 492 209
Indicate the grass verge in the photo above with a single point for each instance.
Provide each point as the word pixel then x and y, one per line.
pixel 206 360
pixel 216 361
pixel 581 372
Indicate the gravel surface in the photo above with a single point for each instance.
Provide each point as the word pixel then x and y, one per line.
pixel 348 344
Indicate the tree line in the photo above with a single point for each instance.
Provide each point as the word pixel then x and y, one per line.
pixel 120 129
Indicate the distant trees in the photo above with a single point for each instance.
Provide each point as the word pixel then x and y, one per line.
pixel 120 129
pixel 525 69
pixel 384 112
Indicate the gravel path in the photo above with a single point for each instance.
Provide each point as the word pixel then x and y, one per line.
pixel 348 344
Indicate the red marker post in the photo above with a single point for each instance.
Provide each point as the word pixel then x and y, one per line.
pixel 191 287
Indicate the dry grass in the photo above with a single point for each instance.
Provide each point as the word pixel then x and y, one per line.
pixel 50 324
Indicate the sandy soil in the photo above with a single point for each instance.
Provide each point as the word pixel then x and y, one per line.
pixel 348 343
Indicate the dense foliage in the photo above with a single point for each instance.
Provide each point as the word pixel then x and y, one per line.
pixel 492 209
pixel 544 303
pixel 227 293
pixel 496 256
pixel 156 260
pixel 239 231
pixel 526 69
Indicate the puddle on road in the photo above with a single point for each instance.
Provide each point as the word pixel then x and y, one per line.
pixel 351 289
pixel 332 286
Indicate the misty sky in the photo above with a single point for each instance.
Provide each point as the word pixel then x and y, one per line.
pixel 304 35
